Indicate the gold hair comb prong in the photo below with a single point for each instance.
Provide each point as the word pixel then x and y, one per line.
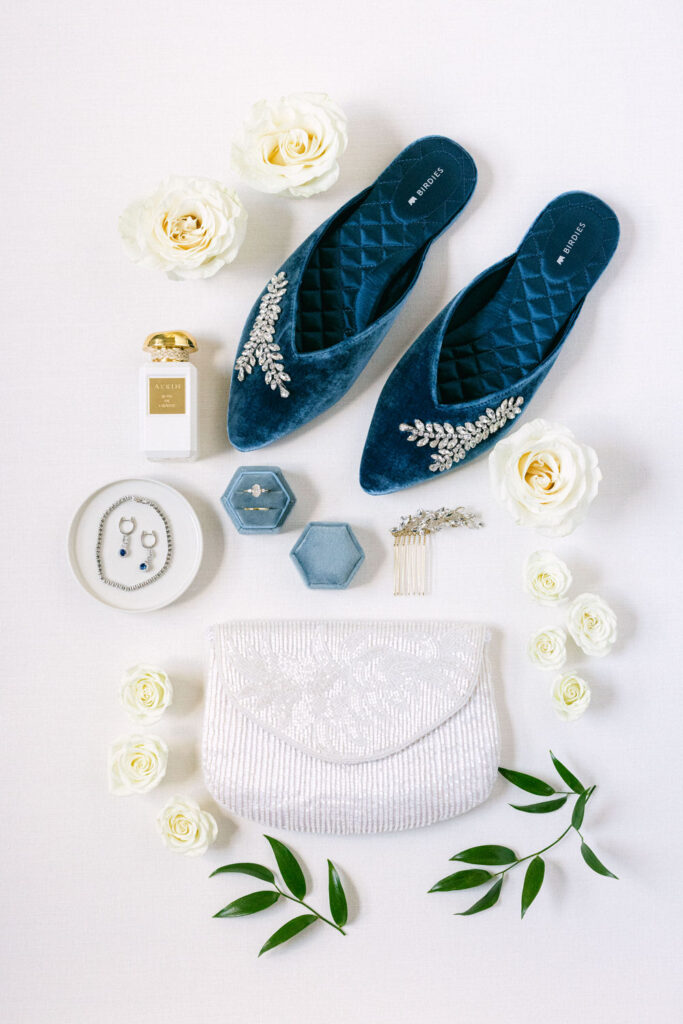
pixel 412 548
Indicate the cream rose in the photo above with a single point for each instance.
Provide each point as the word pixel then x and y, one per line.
pixel 145 693
pixel 592 625
pixel 571 696
pixel 546 577
pixel 136 764
pixel 185 827
pixel 544 477
pixel 291 145
pixel 189 227
pixel 548 649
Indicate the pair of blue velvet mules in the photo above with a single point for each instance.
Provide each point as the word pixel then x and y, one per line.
pixel 471 372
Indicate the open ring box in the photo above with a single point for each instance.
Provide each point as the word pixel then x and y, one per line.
pixel 258 499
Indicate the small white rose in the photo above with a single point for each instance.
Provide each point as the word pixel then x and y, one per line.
pixel 592 625
pixel 185 827
pixel 136 764
pixel 544 477
pixel 189 227
pixel 546 577
pixel 571 696
pixel 291 145
pixel 145 693
pixel 548 649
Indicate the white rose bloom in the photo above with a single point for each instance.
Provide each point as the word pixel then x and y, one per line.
pixel 185 827
pixel 546 577
pixel 189 227
pixel 571 696
pixel 544 477
pixel 136 764
pixel 145 693
pixel 592 625
pixel 291 145
pixel 548 649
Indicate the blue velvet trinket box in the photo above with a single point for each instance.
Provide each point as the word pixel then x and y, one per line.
pixel 327 555
pixel 258 499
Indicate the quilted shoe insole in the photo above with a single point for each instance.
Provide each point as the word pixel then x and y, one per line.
pixel 509 321
pixel 367 257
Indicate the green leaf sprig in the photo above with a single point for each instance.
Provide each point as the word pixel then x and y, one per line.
pixel 494 856
pixel 293 878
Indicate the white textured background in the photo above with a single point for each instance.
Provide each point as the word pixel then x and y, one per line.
pixel 100 101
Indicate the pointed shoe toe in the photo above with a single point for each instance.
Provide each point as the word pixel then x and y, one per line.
pixel 473 370
pixel 322 316
pixel 386 465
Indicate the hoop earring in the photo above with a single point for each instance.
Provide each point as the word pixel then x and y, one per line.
pixel 126 527
pixel 149 548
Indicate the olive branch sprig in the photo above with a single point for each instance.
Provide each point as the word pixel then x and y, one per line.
pixel 293 878
pixel 498 856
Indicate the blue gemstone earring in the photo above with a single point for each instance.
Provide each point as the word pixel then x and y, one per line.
pixel 144 565
pixel 126 527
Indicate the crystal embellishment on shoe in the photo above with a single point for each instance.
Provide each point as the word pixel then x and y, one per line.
pixel 261 346
pixel 453 443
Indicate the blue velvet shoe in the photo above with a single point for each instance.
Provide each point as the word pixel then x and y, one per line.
pixel 325 312
pixel 474 368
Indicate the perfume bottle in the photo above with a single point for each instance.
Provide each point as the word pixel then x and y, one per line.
pixel 168 398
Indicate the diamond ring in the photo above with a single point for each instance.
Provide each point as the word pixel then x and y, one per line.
pixel 255 490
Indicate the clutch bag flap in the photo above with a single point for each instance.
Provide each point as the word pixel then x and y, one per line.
pixel 347 691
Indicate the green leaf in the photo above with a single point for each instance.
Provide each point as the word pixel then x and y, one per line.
pixel 288 931
pixel 485 902
pixel 567 776
pixel 580 808
pixel 250 904
pixel 533 880
pixel 338 906
pixel 543 808
pixel 290 869
pixel 593 862
pixel 529 783
pixel 256 870
pixel 462 880
pixel 486 855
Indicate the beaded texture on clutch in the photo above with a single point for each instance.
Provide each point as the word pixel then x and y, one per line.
pixel 349 727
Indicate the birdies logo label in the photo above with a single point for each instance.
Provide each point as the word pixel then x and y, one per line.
pixel 571 242
pixel 436 173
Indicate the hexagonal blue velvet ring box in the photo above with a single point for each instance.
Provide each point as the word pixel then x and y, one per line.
pixel 327 555
pixel 258 499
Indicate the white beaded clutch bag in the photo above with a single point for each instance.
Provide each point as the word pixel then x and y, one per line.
pixel 349 727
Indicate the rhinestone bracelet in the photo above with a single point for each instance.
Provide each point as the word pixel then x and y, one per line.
pixel 100 532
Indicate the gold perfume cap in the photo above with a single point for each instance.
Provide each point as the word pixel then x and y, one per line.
pixel 170 345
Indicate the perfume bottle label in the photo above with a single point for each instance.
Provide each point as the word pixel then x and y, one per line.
pixel 166 395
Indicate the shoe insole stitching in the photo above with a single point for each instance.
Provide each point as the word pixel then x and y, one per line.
pixel 354 265
pixel 541 307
